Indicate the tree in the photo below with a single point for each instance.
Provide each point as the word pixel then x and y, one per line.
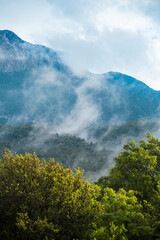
pixel 137 168
pixel 42 200
pixel 122 218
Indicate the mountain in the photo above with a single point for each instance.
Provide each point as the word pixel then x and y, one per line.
pixel 21 65
pixel 17 55
pixel 136 100
pixel 35 85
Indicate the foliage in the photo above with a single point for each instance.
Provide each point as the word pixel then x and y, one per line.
pixel 42 200
pixel 137 168
pixel 70 150
pixel 122 217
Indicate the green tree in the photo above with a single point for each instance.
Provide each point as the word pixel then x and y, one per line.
pixel 122 217
pixel 42 200
pixel 136 168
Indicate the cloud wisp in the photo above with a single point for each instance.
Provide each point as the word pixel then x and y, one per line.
pixel 98 36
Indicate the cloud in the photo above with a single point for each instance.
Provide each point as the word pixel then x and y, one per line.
pixel 98 36
pixel 85 112
pixel 119 36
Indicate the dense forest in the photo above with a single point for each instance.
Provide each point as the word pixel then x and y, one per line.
pixel 94 154
pixel 69 150
pixel 41 199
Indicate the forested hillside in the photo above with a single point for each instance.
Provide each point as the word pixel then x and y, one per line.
pixel 42 200
pixel 94 154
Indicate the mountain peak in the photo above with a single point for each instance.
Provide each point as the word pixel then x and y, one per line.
pixel 10 36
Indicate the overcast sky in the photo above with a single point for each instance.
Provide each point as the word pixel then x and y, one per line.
pixel 94 35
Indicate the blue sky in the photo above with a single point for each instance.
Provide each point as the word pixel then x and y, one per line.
pixel 94 35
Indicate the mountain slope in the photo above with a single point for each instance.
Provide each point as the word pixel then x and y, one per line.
pixel 35 85
pixel 138 100
pixel 18 55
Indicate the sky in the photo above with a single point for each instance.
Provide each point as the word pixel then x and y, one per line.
pixel 93 35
